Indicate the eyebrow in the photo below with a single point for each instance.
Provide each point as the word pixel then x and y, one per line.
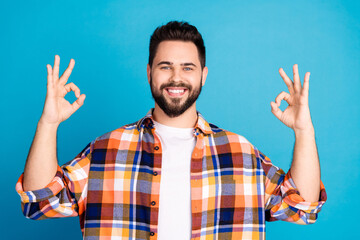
pixel 182 64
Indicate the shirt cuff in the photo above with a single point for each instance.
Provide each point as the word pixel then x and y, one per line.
pixel 292 197
pixel 50 190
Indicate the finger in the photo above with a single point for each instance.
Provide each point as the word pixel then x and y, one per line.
pixel 72 87
pixel 49 74
pixel 305 90
pixel 287 81
pixel 281 96
pixel 56 67
pixel 64 78
pixel 276 110
pixel 297 83
pixel 50 82
pixel 78 103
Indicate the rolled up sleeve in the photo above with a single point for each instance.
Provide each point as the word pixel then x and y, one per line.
pixel 283 199
pixel 64 196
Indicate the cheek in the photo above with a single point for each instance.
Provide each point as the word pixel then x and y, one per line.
pixel 195 79
pixel 160 78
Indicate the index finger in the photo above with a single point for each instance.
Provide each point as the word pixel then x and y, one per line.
pixel 65 76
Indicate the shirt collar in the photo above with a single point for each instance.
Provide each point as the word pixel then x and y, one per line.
pixel 201 124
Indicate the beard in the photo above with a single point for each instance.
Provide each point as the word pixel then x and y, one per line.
pixel 173 107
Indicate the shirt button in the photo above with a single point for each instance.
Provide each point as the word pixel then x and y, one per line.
pixel 153 203
pixel 155 173
pixel 152 233
pixel 156 148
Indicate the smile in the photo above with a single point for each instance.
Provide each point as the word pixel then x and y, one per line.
pixel 176 92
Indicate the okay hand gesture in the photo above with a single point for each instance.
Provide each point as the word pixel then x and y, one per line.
pixel 57 109
pixel 297 114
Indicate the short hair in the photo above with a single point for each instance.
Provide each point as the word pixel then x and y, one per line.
pixel 175 30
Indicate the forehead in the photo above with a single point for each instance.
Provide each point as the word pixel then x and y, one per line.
pixel 177 51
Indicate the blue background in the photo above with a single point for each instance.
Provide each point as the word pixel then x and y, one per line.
pixel 247 42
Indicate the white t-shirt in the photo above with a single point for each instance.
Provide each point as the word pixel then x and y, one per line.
pixel 175 196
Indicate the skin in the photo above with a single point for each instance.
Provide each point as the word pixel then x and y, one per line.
pixel 41 163
pixel 305 167
pixel 174 61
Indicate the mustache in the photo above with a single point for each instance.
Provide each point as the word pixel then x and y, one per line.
pixel 174 84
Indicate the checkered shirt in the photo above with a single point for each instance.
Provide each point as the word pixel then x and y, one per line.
pixel 113 186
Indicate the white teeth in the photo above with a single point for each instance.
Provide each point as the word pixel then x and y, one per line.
pixel 176 91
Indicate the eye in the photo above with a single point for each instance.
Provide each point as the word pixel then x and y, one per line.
pixel 187 68
pixel 165 67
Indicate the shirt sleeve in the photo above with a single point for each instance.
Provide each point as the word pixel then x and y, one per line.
pixel 283 200
pixel 64 196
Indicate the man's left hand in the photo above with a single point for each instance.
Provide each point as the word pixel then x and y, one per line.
pixel 297 114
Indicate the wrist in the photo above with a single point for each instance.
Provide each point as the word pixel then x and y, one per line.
pixel 308 132
pixel 42 124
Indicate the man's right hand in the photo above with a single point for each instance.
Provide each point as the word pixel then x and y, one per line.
pixel 57 109
pixel 41 164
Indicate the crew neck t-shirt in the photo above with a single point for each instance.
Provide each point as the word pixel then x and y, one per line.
pixel 175 199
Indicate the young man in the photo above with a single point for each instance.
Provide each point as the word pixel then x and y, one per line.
pixel 172 175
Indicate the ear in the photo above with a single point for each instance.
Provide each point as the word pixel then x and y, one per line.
pixel 204 75
pixel 148 71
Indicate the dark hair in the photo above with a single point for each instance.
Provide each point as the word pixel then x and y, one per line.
pixel 175 30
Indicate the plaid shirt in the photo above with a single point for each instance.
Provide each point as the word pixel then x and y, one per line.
pixel 113 186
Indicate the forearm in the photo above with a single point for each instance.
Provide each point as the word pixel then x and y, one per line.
pixel 41 163
pixel 305 167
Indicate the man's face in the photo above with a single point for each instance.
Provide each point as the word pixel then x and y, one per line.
pixel 176 76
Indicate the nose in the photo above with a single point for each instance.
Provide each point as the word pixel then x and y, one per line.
pixel 176 74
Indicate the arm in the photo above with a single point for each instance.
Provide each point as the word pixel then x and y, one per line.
pixel 282 197
pixel 305 167
pixel 41 165
pixel 65 195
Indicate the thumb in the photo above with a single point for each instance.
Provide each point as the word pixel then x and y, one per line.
pixel 78 103
pixel 276 110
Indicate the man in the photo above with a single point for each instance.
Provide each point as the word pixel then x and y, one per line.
pixel 172 175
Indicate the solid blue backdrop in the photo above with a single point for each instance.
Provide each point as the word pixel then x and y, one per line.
pixel 247 42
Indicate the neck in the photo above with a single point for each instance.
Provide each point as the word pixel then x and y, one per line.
pixel 186 120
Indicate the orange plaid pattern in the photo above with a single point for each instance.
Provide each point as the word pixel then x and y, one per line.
pixel 113 186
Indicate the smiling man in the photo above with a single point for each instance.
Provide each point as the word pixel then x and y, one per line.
pixel 172 175
pixel 176 77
